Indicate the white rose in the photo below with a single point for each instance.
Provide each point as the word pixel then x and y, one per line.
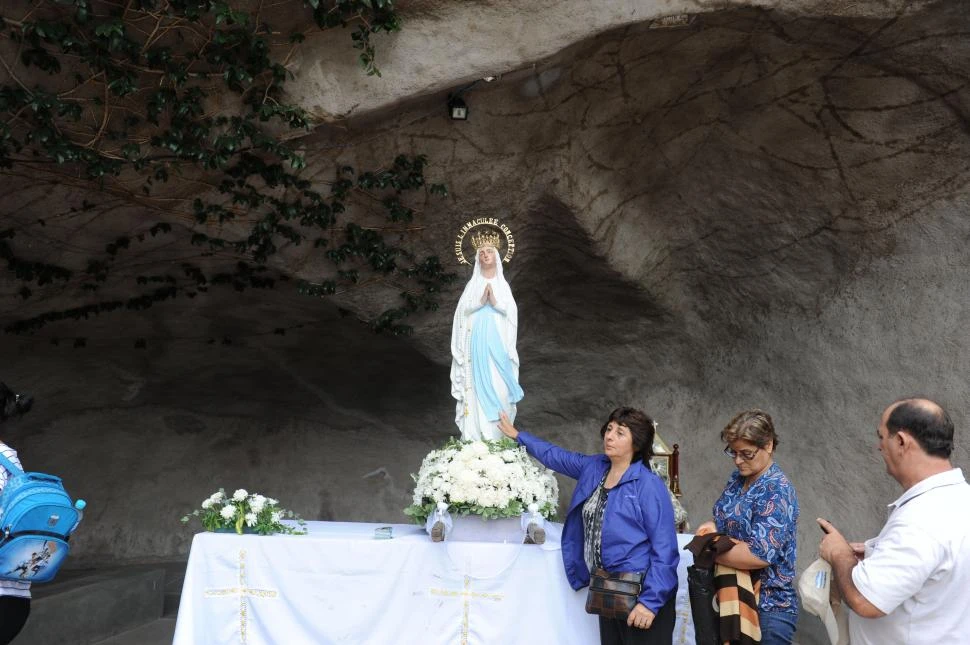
pixel 228 512
pixel 240 495
pixel 501 475
pixel 207 503
pixel 250 519
pixel 455 470
pixel 257 503
pixel 494 462
pixel 216 497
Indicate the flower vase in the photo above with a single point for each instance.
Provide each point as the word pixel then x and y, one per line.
pixel 473 528
pixel 229 529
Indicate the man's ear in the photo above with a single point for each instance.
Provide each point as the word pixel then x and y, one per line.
pixel 903 439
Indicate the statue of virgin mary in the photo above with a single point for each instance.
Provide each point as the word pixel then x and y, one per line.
pixel 485 365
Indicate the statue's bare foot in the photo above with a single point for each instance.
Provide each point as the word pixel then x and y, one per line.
pixel 535 534
pixel 438 532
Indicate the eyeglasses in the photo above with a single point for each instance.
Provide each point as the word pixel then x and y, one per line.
pixel 746 455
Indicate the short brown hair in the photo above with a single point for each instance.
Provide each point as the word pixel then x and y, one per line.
pixel 754 425
pixel 642 429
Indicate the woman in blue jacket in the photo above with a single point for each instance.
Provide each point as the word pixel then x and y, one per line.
pixel 619 519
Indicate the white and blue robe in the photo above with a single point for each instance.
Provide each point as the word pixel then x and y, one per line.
pixel 485 364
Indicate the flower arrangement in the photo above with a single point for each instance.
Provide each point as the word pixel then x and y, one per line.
pixel 488 478
pixel 244 511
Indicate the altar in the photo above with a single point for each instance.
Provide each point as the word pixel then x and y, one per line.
pixel 341 584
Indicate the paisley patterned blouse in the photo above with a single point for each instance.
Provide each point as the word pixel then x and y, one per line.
pixel 765 517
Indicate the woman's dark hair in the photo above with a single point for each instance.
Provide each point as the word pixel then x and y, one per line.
pixel 641 427
pixel 754 426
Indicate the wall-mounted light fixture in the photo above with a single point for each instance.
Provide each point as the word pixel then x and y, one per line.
pixel 457 109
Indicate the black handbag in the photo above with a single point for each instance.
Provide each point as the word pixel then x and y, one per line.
pixel 613 595
pixel 703 605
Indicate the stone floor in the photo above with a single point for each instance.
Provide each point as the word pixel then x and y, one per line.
pixel 160 632
pixel 133 605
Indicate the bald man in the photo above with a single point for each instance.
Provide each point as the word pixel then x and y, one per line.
pixel 911 584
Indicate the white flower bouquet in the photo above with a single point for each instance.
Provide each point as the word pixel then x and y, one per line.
pixel 488 478
pixel 245 512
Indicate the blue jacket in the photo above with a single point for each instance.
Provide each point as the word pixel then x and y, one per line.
pixel 638 523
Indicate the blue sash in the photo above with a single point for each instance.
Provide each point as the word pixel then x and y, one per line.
pixel 487 350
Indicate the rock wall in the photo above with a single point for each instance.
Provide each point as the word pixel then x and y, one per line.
pixel 445 43
pixel 766 208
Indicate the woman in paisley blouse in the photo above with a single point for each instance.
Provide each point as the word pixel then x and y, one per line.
pixel 759 509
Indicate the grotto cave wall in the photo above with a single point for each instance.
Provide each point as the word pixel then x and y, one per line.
pixel 765 209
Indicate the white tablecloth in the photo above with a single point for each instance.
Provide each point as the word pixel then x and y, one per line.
pixel 341 585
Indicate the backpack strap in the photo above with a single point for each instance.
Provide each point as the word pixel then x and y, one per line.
pixel 9 465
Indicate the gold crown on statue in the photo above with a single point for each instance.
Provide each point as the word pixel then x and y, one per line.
pixel 485 238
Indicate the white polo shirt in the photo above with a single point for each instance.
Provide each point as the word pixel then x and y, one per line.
pixel 917 571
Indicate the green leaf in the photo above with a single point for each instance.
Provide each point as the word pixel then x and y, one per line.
pixel 107 29
pixel 161 132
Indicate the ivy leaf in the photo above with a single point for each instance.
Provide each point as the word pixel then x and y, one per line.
pixel 108 29
pixel 163 132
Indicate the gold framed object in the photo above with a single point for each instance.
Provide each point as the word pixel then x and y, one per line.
pixel 666 463
pixel 491 234
pixel 660 464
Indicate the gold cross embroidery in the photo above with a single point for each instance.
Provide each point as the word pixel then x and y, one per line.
pixel 467 594
pixel 242 591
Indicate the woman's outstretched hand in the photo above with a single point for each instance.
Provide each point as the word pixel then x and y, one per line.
pixel 506 426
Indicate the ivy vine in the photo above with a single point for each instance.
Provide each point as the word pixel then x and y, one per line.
pixel 106 91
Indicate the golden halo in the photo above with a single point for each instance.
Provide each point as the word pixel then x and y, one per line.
pixel 490 222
